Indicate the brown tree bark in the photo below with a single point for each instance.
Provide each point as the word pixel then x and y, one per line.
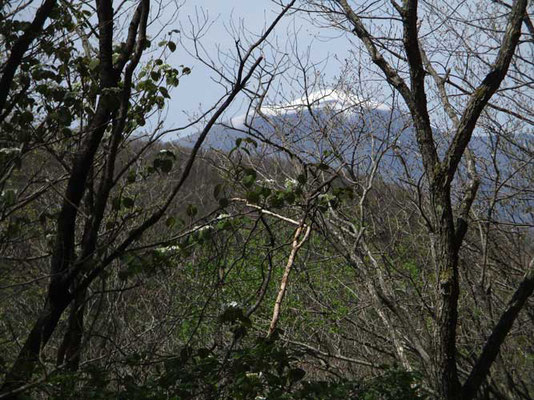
pixel 65 267
pixel 498 335
pixel 69 352
pixel 447 233
pixel 60 292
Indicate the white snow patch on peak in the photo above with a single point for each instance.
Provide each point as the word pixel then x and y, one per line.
pixel 335 99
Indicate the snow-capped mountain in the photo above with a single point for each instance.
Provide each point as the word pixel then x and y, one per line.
pixel 337 128
pixel 332 99
pixel 314 126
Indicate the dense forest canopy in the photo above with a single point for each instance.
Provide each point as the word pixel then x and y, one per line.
pixel 364 236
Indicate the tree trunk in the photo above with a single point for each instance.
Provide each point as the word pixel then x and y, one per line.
pixel 22 370
pixel 447 248
pixel 69 353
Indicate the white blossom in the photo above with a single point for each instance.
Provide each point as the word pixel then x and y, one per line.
pixel 168 249
pixel 290 183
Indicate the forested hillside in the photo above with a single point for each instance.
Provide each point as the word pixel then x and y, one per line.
pixel 362 236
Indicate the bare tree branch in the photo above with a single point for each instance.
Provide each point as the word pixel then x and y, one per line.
pixel 498 335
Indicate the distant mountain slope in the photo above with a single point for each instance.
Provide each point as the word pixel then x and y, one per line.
pixel 324 121
pixel 334 127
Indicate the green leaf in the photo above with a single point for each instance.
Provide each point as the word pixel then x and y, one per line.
pixel 9 197
pixel 231 314
pixel 94 63
pixel 128 202
pixel 164 92
pixel 172 46
pixel 192 210
pixel 224 225
pixel 296 374
pixel 265 192
pixel 171 221
pixel 163 164
pixel 166 165
pixel 26 117
pixel 323 167
pixel 278 200
pixel 123 275
pixel 217 191
pixel 251 141
pixel 250 177
pixel 116 203
pixel 289 197
pixel 131 176
pixel 253 196
pixel 248 180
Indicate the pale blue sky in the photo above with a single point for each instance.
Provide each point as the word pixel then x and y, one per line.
pixel 197 91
